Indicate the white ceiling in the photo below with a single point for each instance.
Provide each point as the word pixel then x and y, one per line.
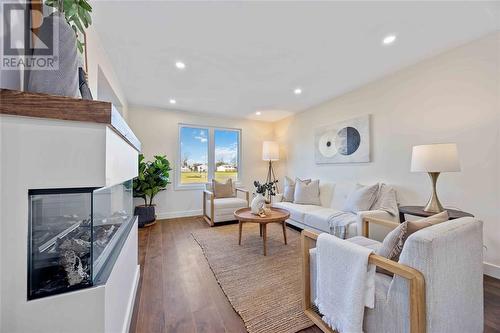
pixel 244 57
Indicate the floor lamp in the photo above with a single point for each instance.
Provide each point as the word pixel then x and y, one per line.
pixel 270 153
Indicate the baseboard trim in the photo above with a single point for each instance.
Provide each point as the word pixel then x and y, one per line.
pixel 491 270
pixel 185 213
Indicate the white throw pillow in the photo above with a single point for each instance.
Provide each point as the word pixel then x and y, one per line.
pixel 361 198
pixel 386 200
pixel 307 192
pixel 289 189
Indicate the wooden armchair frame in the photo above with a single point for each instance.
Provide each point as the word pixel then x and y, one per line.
pixel 416 280
pixel 211 196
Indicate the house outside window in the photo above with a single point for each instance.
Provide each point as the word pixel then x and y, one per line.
pixel 207 153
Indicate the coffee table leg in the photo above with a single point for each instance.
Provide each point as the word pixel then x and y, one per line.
pixel 260 229
pixel 240 225
pixel 284 230
pixel 264 237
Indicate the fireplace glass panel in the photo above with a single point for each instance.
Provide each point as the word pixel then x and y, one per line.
pixel 75 236
pixel 60 230
pixel 112 208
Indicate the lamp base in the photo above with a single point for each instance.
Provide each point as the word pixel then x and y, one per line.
pixel 433 205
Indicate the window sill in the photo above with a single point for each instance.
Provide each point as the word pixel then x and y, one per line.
pixel 198 187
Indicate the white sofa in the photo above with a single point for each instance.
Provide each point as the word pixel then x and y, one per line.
pixel 332 197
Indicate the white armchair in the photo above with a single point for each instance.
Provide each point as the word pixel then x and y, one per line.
pixel 437 284
pixel 222 209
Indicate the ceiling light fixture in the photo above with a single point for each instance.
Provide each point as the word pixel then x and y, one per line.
pixel 180 65
pixel 389 39
pixel 297 91
pixel 172 101
pixel 258 113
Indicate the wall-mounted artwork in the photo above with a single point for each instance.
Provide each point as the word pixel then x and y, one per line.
pixel 343 142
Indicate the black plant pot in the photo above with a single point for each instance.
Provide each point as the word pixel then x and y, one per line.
pixel 146 215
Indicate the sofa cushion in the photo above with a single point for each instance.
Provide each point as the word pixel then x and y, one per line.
pixel 297 212
pixel 307 193
pixel 361 198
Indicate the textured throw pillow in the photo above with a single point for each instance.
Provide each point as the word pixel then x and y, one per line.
pixel 386 200
pixel 394 241
pixel 289 189
pixel 361 198
pixel 414 226
pixel 223 190
pixel 307 192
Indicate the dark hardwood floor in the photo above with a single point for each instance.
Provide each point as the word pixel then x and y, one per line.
pixel 178 291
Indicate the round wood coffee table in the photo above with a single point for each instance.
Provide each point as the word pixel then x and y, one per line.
pixel 278 215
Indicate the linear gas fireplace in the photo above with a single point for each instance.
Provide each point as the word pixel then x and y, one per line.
pixel 75 235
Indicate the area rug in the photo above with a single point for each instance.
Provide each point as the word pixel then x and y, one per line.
pixel 264 291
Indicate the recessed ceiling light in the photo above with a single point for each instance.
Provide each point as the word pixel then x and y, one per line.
pixel 258 113
pixel 389 39
pixel 172 101
pixel 297 91
pixel 180 65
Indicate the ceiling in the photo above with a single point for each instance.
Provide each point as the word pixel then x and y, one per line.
pixel 243 57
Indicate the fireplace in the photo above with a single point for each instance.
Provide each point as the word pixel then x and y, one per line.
pixel 75 234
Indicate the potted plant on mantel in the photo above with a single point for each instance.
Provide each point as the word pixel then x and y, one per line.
pixel 153 177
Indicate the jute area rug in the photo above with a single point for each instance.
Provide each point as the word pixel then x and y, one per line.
pixel 264 291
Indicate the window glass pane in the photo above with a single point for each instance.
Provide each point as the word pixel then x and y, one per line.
pixel 194 155
pixel 226 154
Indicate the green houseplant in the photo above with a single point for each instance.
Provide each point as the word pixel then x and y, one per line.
pixel 153 177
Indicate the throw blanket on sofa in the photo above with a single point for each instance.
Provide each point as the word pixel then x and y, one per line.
pixel 345 283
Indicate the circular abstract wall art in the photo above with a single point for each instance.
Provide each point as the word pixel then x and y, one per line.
pixel 326 144
pixel 347 140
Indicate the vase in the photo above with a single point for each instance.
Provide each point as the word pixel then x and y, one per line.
pixel 257 203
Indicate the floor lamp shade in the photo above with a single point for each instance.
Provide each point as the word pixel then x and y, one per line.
pixel 435 159
pixel 270 151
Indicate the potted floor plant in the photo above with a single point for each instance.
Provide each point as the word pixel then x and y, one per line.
pixel 153 177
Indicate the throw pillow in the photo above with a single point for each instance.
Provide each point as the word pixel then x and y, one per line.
pixel 394 241
pixel 307 192
pixel 361 198
pixel 414 226
pixel 386 200
pixel 289 189
pixel 223 190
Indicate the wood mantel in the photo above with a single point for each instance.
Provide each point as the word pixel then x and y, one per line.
pixel 26 104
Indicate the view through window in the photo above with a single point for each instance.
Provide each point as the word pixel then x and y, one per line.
pixel 207 153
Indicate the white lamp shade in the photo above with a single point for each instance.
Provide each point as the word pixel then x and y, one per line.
pixel 435 158
pixel 270 151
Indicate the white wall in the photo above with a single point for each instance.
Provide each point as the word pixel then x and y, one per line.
pixel 158 131
pixel 103 81
pixel 453 97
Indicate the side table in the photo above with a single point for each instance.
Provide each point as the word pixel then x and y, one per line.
pixel 419 211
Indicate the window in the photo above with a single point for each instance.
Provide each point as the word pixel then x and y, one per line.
pixel 206 153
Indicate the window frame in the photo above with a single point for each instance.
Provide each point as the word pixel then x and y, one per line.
pixel 210 156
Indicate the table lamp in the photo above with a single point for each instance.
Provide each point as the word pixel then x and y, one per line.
pixel 434 159
pixel 271 153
